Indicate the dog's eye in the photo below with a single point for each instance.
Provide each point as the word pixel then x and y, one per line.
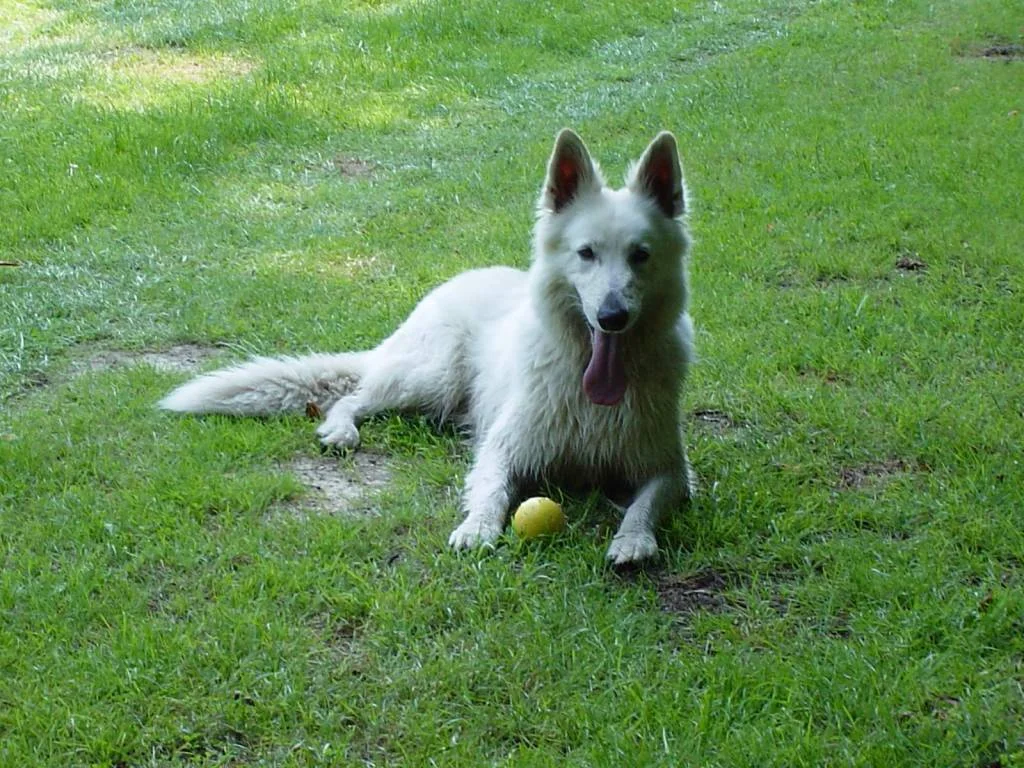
pixel 639 255
pixel 586 253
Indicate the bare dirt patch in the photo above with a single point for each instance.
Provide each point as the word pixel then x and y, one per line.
pixel 1003 51
pixel 137 78
pixel 909 262
pixel 339 634
pixel 173 66
pixel 346 486
pixel 715 421
pixel 828 376
pixel 872 472
pixel 181 358
pixel 692 593
pixel 353 167
pixel 992 48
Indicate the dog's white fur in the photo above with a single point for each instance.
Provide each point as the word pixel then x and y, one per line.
pixel 503 351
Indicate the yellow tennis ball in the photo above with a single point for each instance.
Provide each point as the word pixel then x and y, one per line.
pixel 539 516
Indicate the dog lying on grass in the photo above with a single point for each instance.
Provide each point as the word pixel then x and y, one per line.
pixel 570 372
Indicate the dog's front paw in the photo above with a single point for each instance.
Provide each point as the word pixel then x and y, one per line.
pixel 338 433
pixel 474 532
pixel 632 546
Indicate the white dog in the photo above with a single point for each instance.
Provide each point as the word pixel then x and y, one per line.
pixel 568 373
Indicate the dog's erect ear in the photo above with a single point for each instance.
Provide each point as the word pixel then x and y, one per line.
pixel 569 170
pixel 659 175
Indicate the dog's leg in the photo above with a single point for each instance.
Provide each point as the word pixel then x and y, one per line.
pixel 635 538
pixel 385 390
pixel 340 427
pixel 487 496
pixel 402 375
pixel 689 479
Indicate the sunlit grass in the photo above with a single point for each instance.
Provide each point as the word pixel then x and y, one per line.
pixel 243 178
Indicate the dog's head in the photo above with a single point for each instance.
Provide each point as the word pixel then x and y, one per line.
pixel 621 250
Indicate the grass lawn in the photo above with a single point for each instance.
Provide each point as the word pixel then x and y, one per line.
pixel 183 184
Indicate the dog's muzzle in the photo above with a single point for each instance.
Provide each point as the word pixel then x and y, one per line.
pixel 612 315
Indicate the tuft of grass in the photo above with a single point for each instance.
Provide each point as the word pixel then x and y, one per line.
pixel 239 178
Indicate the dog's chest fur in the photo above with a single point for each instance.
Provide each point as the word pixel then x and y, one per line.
pixel 560 436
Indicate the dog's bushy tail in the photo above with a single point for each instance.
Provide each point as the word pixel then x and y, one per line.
pixel 267 385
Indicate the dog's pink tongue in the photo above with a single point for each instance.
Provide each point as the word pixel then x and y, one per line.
pixel 604 381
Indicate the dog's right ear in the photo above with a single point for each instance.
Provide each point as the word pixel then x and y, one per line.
pixel 570 170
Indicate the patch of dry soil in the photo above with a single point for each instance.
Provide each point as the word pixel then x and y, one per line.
pixel 336 486
pixel 345 487
pixel 181 358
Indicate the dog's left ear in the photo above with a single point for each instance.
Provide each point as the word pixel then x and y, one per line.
pixel 659 175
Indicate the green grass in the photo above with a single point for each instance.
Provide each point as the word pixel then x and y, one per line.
pixel 276 177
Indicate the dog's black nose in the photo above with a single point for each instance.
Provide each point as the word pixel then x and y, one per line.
pixel 612 315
